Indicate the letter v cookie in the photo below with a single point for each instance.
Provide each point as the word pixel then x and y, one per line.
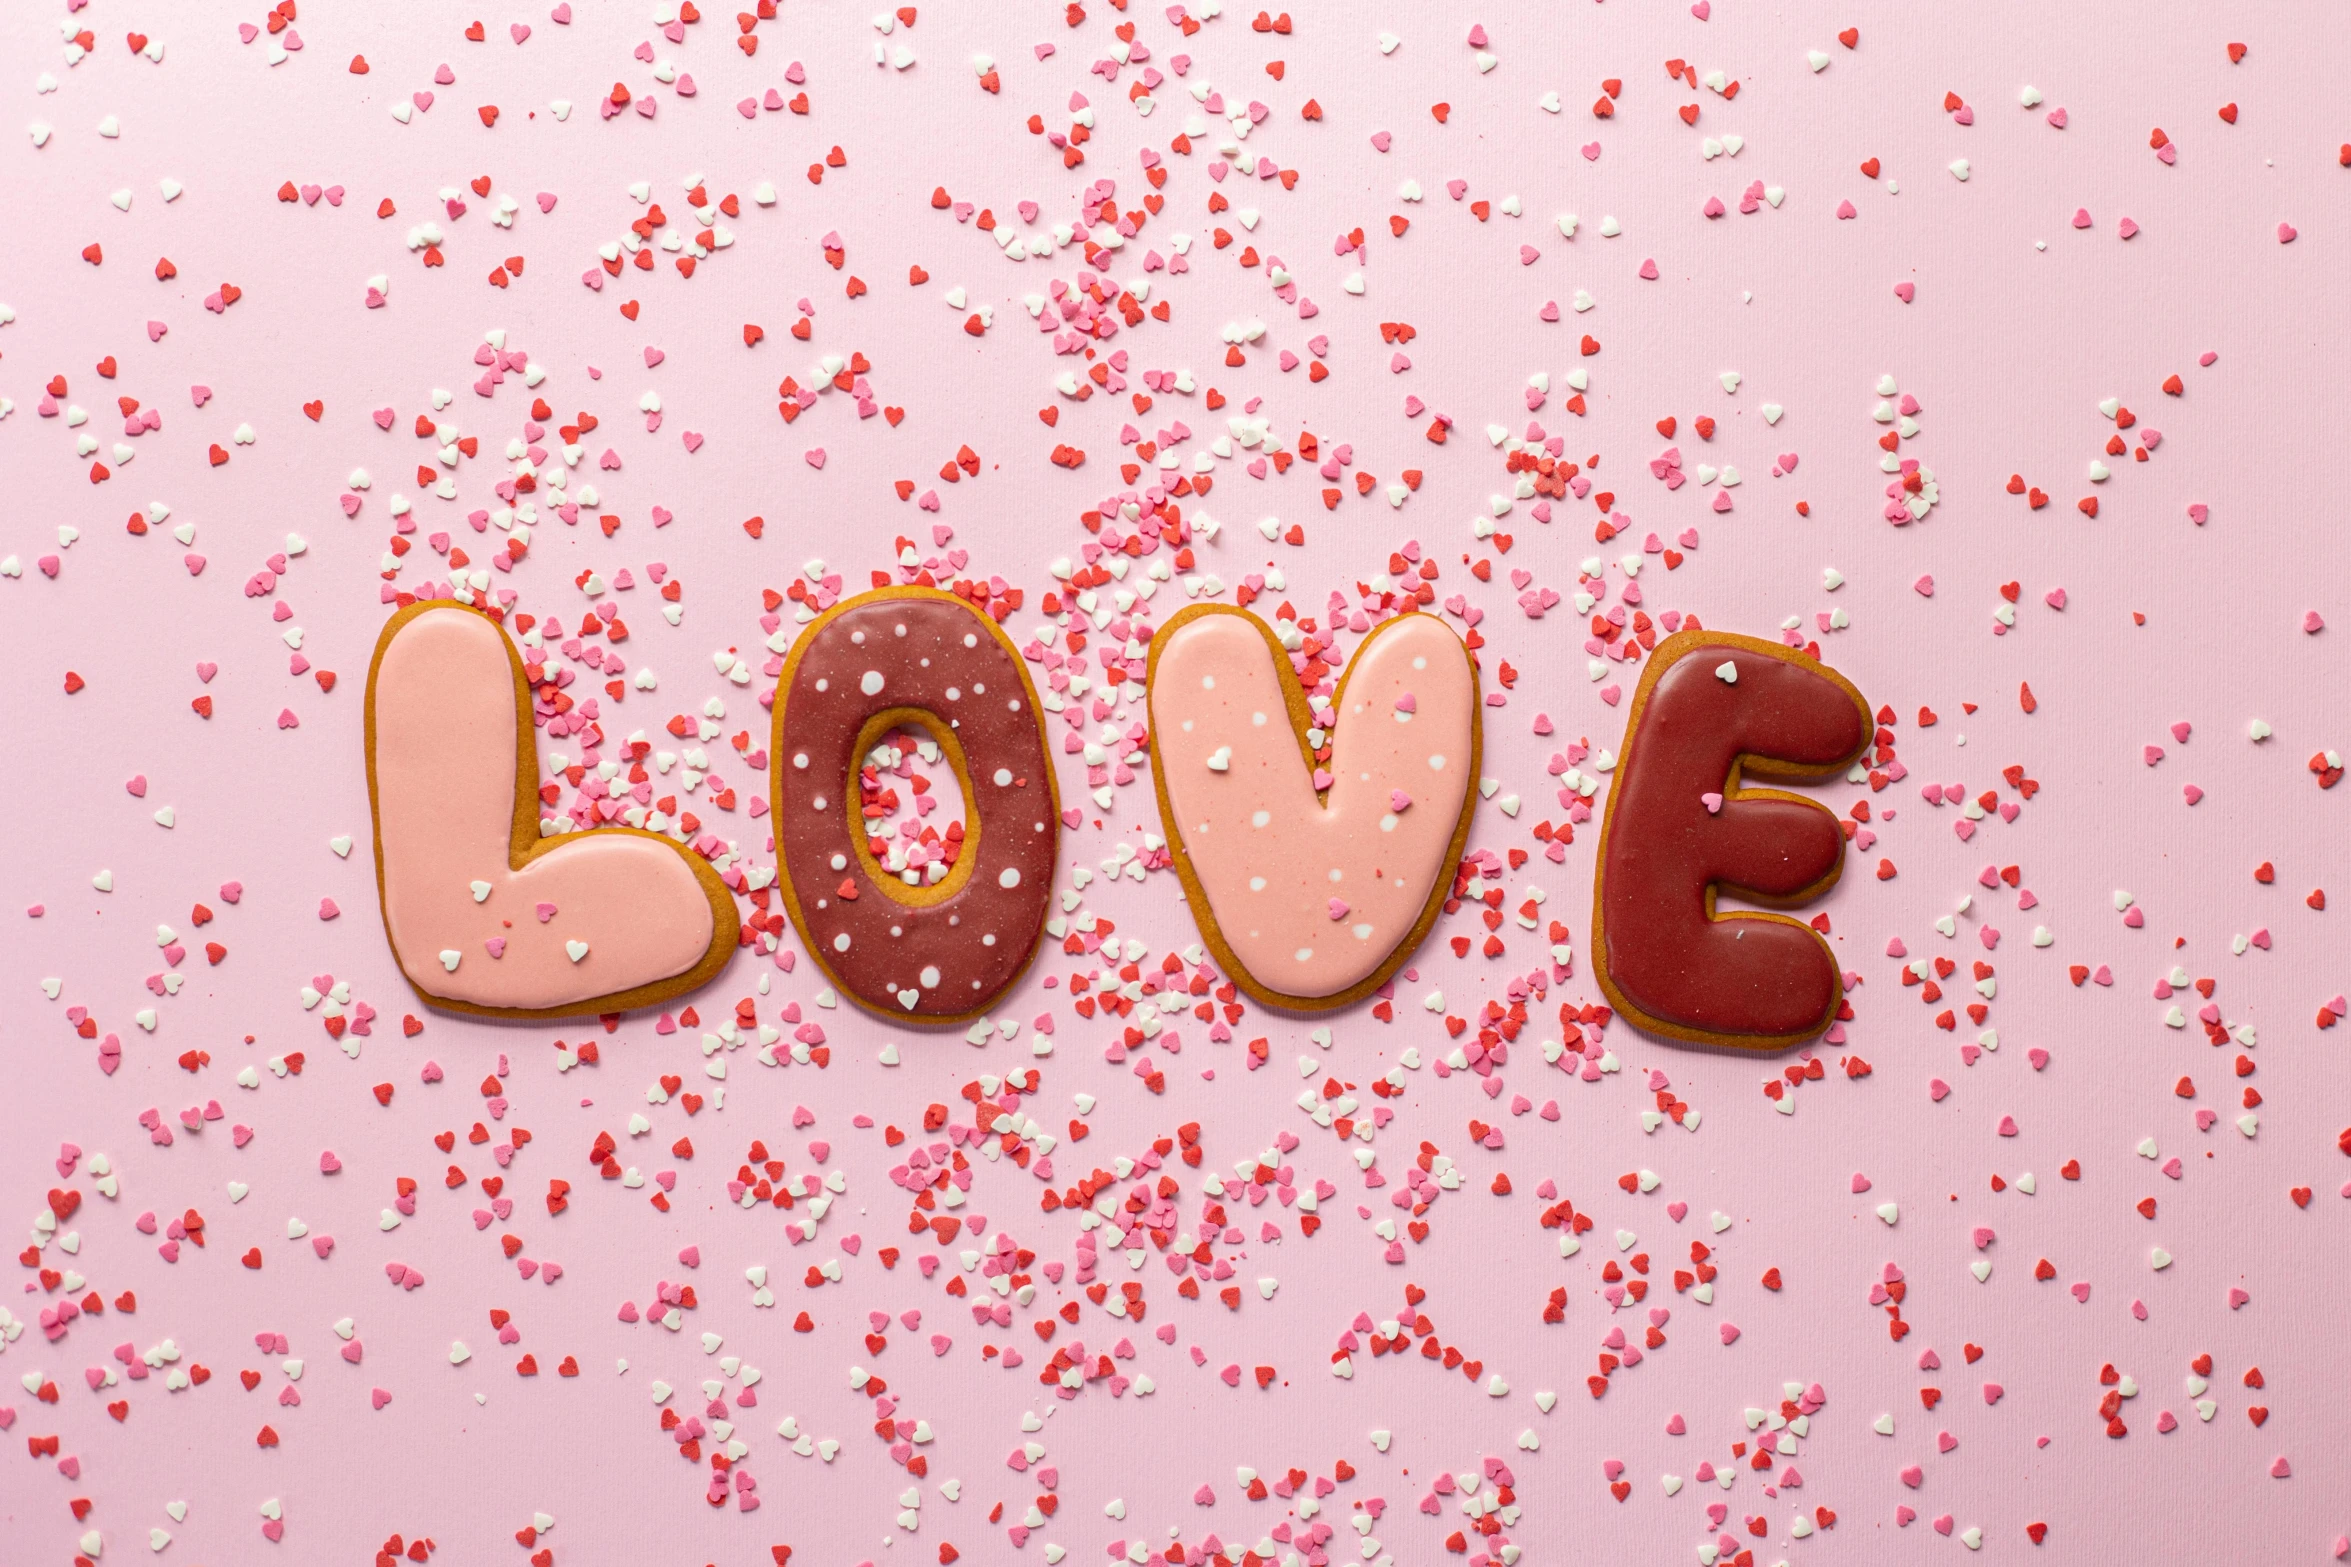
pixel 483 914
pixel 1711 709
pixel 1312 886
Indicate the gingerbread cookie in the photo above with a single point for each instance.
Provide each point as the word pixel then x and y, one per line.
pixel 484 915
pixel 935 951
pixel 1712 708
pixel 1312 888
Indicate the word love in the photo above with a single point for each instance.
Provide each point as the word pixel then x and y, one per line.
pixel 1313 842
pixel 1713 708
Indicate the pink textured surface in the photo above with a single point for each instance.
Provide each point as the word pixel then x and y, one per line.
pixel 2007 347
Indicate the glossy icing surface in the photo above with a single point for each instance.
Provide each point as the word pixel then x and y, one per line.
pixel 1313 895
pixel 446 737
pixel 938 952
pixel 1738 976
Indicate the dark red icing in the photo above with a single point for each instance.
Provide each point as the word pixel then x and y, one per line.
pixel 955 947
pixel 1663 957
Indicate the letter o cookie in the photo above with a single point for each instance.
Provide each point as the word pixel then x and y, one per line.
pixel 945 952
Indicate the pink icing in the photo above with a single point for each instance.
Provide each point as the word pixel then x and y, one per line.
pixel 1313 896
pixel 444 726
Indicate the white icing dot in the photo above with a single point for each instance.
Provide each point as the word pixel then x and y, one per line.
pixel 1335 873
pixel 970 640
pixel 900 629
pixel 1437 763
pixel 1305 954
pixel 1010 878
pixel 1260 818
pixel 824 685
pixel 930 979
pixel 1256 884
pixel 800 759
pixel 988 940
pixel 1420 663
pixel 1208 682
pixel 1187 726
pixel 840 862
pixel 1003 776
pixel 857 638
pixel 871 685
pixel 978 690
pixel 841 942
pixel 954 693
pixel 1255 718
pixel 1388 822
pixel 820 802
pixel 1363 933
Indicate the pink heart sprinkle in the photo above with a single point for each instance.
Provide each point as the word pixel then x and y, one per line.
pixel 2286 233
pixel 1591 151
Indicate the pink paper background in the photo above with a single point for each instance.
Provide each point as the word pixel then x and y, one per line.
pixel 2007 347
